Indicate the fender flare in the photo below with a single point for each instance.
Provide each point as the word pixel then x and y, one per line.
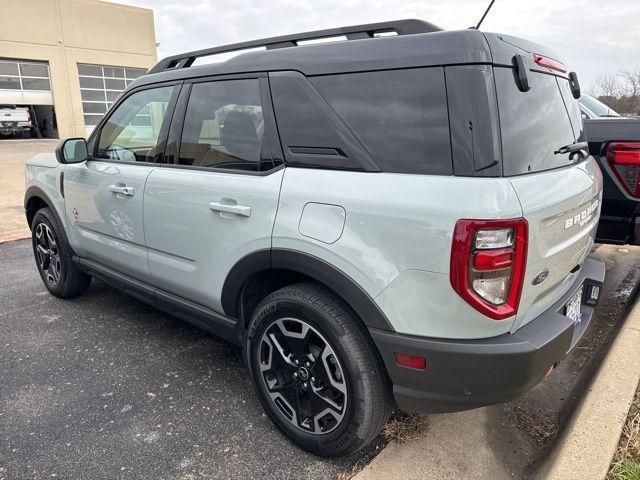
pixel 309 265
pixel 34 191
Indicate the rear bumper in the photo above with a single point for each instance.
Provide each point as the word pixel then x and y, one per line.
pixel 463 374
pixel 12 128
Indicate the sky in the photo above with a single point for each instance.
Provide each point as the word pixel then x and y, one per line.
pixel 592 36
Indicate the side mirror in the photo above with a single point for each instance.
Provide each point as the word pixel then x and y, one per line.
pixel 72 150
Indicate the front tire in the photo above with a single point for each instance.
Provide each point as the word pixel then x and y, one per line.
pixel 317 373
pixel 54 257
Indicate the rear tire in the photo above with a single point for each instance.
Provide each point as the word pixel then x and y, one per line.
pixel 316 372
pixel 54 257
pixel 26 134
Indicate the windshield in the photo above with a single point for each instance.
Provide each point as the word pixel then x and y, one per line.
pixel 597 107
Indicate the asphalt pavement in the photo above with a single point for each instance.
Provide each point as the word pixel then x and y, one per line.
pixel 106 387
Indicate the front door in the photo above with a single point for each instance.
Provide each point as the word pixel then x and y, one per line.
pixel 218 201
pixel 103 196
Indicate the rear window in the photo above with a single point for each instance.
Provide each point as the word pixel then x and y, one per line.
pixel 399 115
pixel 536 123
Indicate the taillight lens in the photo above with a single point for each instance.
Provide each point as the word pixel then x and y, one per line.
pixel 488 259
pixel 624 160
pixel 550 63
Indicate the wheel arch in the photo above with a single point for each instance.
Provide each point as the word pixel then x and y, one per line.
pixel 35 199
pixel 270 269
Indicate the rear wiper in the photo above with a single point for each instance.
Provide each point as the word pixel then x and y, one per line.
pixel 574 148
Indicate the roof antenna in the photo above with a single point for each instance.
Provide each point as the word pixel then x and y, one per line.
pixel 484 15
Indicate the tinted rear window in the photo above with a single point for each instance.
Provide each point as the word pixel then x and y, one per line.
pixel 399 115
pixel 534 124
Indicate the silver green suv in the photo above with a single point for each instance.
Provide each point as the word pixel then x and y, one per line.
pixel 403 218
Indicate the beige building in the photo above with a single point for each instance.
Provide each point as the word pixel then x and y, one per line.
pixel 69 59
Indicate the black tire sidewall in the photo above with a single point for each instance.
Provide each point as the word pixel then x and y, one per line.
pixel 45 216
pixel 339 441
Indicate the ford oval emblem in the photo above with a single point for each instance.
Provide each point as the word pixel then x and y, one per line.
pixel 540 277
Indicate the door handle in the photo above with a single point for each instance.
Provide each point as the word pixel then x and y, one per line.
pixel 241 210
pixel 121 189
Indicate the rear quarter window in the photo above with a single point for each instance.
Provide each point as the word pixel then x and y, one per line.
pixel 533 124
pixel 400 116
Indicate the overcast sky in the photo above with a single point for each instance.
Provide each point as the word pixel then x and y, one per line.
pixel 593 36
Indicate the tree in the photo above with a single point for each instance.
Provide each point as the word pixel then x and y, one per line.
pixel 619 91
pixel 608 85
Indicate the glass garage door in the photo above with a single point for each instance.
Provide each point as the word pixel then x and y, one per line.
pixel 24 82
pixel 100 85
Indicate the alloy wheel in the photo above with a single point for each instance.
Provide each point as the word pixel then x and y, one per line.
pixel 303 376
pixel 48 254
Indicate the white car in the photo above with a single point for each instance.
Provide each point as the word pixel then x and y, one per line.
pixel 15 121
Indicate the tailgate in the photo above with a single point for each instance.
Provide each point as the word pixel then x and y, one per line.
pixel 560 192
pixel 562 207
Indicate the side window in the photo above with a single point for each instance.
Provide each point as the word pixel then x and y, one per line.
pixel 399 115
pixel 224 126
pixel 312 135
pixel 131 132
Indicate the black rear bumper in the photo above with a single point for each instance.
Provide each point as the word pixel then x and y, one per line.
pixel 463 374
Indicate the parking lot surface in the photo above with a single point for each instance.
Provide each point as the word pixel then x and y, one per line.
pixel 13 154
pixel 104 386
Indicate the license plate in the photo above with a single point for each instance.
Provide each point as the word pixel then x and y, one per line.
pixel 572 310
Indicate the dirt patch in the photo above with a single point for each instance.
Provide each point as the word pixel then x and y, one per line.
pixel 404 427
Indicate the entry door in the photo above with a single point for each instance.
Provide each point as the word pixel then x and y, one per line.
pixel 218 202
pixel 103 196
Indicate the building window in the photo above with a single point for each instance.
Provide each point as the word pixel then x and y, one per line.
pixel 21 75
pixel 100 86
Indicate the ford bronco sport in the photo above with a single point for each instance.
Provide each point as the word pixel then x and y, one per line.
pixel 401 218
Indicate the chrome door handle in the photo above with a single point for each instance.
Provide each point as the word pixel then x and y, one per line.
pixel 241 210
pixel 121 189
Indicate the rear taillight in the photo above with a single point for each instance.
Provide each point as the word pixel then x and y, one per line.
pixel 624 160
pixel 488 259
pixel 28 114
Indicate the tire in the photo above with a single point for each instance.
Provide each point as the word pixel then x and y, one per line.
pixel 26 134
pixel 304 346
pixel 53 257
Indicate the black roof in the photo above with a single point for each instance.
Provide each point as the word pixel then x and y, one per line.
pixel 417 44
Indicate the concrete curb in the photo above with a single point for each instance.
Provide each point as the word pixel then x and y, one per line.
pixel 13 238
pixel 587 446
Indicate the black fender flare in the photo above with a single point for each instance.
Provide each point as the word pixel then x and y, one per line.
pixel 34 191
pixel 321 271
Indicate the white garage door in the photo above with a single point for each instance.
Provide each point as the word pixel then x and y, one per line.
pixel 25 82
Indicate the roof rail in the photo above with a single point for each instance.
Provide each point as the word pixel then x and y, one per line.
pixel 353 32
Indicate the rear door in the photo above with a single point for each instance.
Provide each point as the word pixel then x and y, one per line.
pixel 217 202
pixel 103 196
pixel 560 193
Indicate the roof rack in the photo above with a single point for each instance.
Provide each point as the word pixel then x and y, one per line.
pixel 353 32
